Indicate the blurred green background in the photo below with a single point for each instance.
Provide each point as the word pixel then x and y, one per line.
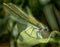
pixel 36 9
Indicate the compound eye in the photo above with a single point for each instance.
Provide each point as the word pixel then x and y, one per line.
pixel 45 28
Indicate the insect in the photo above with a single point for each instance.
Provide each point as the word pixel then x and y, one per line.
pixel 36 27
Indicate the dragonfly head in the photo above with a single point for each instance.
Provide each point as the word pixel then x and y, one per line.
pixel 43 31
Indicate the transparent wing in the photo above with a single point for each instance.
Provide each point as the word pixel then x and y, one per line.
pixel 21 14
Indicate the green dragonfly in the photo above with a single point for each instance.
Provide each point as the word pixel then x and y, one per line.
pixel 35 32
